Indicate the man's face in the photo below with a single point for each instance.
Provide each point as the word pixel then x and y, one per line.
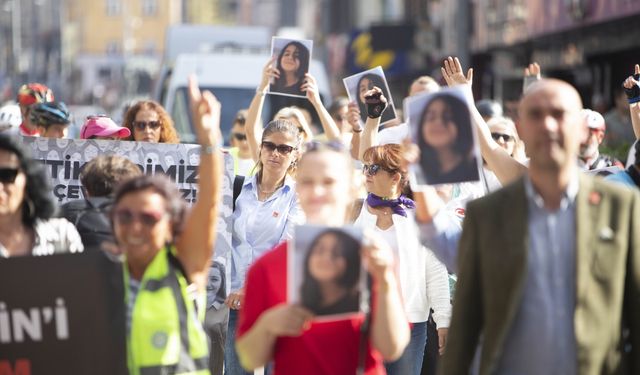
pixel 589 148
pixel 550 124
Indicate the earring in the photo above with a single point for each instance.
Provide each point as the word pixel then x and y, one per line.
pixel 31 208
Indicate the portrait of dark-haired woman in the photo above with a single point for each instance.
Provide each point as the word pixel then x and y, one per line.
pixel 366 83
pixel 331 274
pixel 292 65
pixel 445 139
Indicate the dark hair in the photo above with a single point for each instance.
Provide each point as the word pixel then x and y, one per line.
pixel 160 184
pixel 38 201
pixel 463 144
pixel 349 249
pixel 168 132
pixel 101 175
pixel 241 117
pixel 377 81
pixel 303 56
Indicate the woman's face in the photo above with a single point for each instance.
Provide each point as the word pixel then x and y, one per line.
pixel 11 190
pixel 290 61
pixel 504 136
pixel 146 126
pixel 324 187
pixel 326 263
pixel 141 224
pixel 275 161
pixel 363 87
pixel 438 129
pixel 380 183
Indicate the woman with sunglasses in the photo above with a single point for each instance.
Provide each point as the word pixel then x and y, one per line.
pixel 424 280
pixel 27 226
pixel 265 211
pixel 503 132
pixel 149 122
pixel 167 251
pixel 271 329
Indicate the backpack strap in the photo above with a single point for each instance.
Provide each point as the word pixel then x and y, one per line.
pixel 238 181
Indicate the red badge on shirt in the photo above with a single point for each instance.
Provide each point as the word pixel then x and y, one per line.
pixel 459 212
pixel 594 197
pixel 275 214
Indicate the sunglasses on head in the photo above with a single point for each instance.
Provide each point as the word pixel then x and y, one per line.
pixel 141 125
pixel 373 169
pixel 239 136
pixel 126 217
pixel 8 175
pixel 505 137
pixel 282 149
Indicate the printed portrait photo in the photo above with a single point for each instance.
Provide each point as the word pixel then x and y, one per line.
pixel 358 84
pixel 292 58
pixel 441 126
pixel 325 272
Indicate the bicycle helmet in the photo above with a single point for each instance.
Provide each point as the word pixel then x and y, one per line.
pixel 45 114
pixel 10 116
pixel 32 93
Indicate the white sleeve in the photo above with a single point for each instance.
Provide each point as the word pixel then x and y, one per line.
pixel 438 290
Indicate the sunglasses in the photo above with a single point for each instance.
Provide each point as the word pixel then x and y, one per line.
pixel 141 125
pixel 505 137
pixel 149 219
pixel 373 169
pixel 282 149
pixel 239 136
pixel 8 175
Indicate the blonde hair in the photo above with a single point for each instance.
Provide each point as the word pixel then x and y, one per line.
pixel 518 148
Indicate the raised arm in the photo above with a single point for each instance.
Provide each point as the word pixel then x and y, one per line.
pixel 632 89
pixel 505 167
pixel 369 136
pixel 195 244
pixel 328 125
pixel 253 127
pixel 353 117
pixel 531 75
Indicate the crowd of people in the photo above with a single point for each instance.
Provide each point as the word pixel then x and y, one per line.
pixel 531 268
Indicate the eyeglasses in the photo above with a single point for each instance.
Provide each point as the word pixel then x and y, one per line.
pixel 373 169
pixel 8 175
pixel 149 219
pixel 239 136
pixel 282 149
pixel 505 137
pixel 141 125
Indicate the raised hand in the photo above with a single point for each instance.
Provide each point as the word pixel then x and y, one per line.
pixel 310 86
pixel 375 101
pixel 453 74
pixel 353 116
pixel 205 110
pixel 268 72
pixel 533 70
pixel 377 256
pixel 632 86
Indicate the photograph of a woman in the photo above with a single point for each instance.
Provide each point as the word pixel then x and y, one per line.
pixel 442 129
pixel 292 63
pixel 357 85
pixel 329 277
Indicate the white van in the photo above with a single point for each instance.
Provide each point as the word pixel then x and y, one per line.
pixel 233 78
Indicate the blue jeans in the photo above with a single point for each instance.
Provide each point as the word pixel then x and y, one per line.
pixel 410 363
pixel 231 361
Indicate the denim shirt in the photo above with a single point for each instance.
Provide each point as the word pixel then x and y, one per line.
pixel 259 226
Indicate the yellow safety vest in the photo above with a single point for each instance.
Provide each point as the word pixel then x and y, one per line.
pixel 166 332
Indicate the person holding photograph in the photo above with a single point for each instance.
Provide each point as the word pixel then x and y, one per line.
pixel 271 329
pixel 365 83
pixel 445 140
pixel 293 64
pixel 423 279
pixel 331 274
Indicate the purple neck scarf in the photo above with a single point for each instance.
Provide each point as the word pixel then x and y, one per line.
pixel 395 204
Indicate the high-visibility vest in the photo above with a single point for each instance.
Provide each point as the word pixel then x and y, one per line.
pixel 166 334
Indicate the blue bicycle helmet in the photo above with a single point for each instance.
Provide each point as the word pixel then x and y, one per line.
pixel 45 114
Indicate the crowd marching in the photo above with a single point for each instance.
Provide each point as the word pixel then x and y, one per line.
pixel 519 255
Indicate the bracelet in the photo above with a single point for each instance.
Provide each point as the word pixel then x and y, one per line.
pixel 207 149
pixel 357 131
pixel 260 92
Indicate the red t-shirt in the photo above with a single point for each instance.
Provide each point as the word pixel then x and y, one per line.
pixel 329 348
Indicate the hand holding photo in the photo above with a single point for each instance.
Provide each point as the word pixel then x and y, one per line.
pixel 325 271
pixel 359 85
pixel 441 126
pixel 292 63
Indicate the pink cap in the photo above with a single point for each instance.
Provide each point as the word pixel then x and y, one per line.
pixel 102 126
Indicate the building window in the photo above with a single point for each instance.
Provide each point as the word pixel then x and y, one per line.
pixel 149 7
pixel 113 47
pixel 114 7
